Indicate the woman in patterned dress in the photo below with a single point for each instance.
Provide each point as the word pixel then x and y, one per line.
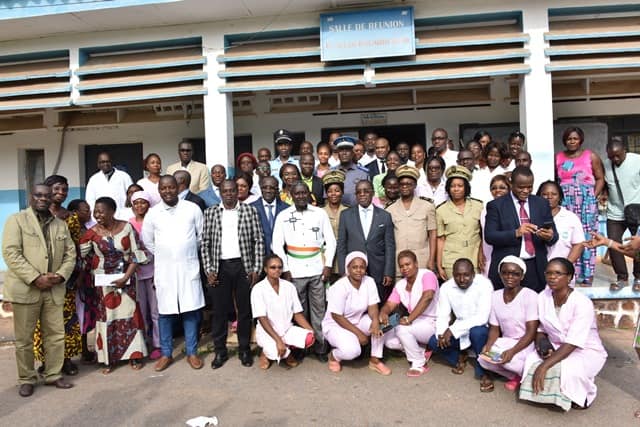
pixel 581 176
pixel 113 247
pixel 72 338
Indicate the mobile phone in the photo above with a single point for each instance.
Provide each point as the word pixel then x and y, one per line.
pixel 547 225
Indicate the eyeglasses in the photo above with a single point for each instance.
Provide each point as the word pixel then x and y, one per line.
pixel 555 273
pixel 185 150
pixel 275 267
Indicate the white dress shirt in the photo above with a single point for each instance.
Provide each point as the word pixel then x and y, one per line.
pixel 471 307
pixel 115 187
pixel 366 217
pixel 366 159
pixel 230 247
pixel 523 251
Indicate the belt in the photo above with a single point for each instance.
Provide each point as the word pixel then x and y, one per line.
pixel 230 260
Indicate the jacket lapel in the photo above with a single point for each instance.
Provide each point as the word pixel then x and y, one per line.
pixel 36 226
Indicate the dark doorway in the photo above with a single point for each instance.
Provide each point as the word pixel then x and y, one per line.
pixel 198 150
pixel 242 144
pixel 412 134
pixel 125 157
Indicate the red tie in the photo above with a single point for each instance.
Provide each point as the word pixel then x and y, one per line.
pixel 528 238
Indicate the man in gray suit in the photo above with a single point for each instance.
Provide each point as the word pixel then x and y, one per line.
pixel 369 229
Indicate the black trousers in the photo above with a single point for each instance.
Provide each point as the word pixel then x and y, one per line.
pixel 615 230
pixel 531 278
pixel 233 287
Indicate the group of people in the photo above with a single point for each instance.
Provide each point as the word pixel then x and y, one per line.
pixel 325 255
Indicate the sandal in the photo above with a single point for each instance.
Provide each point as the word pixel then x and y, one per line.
pixel 460 367
pixel 334 365
pixel 107 370
pixel 616 286
pixel 636 285
pixel 513 383
pixel 136 364
pixel 486 385
pixel 380 368
pixel 417 372
pixel 263 362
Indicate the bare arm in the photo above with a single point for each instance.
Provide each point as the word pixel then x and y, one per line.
pixel 598 173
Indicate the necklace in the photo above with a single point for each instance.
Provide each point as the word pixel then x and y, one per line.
pixel 109 231
pixel 564 300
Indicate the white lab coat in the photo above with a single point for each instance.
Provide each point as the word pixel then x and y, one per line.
pixel 116 188
pixel 172 234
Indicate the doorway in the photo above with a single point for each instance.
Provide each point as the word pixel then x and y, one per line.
pixel 124 157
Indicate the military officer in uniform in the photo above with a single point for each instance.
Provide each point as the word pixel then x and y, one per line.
pixel 414 219
pixel 353 172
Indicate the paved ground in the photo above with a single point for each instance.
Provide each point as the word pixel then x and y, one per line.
pixel 309 395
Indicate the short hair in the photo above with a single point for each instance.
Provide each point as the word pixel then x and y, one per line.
pixel 388 177
pixel 107 201
pixel 323 144
pixel 51 180
pixel 555 184
pixel 268 258
pixel 134 185
pixel 502 178
pixel 467 186
pixel 168 177
pixel 568 131
pixel 185 142
pixel 521 171
pixel 463 261
pixel 517 134
pixel 365 182
pixel 568 265
pixel 182 176
pixel 407 253
pixel 146 159
pixel 301 184
pixel 430 159
pixel 269 178
pixel 503 150
pixel 227 181
pixel 616 141
pixel 246 177
pixel 74 205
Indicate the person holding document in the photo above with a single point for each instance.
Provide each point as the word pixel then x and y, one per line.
pixel 274 303
pixel 512 324
pixel 113 250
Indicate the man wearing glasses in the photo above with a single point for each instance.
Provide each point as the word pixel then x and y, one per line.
pixel 440 142
pixel 40 257
pixel 198 171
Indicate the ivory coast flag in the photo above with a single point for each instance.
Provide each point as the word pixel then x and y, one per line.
pixel 303 252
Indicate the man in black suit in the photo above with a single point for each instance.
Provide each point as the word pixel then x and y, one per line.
pixel 520 224
pixel 268 207
pixel 307 166
pixel 369 229
pixel 379 165
pixel 183 178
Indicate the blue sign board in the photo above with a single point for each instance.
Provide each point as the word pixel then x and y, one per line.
pixel 367 34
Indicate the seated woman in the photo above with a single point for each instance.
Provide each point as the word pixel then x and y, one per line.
pixel 569 351
pixel 512 323
pixel 352 316
pixel 418 293
pixel 274 302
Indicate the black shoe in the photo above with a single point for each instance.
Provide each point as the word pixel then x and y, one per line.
pixel 69 368
pixel 219 360
pixel 322 357
pixel 25 390
pixel 41 369
pixel 246 358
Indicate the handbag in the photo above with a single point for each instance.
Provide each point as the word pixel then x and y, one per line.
pixel 631 211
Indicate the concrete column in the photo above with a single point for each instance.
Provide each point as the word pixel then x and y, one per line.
pixel 536 106
pixel 218 110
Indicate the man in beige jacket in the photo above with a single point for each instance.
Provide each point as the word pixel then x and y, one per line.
pixel 199 172
pixel 40 256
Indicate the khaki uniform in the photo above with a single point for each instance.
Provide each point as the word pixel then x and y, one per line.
pixel 29 253
pixel 462 232
pixel 411 227
pixel 335 222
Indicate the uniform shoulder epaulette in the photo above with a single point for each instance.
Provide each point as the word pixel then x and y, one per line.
pixel 426 199
pixel 476 200
pixel 390 202
pixel 441 204
pixel 362 168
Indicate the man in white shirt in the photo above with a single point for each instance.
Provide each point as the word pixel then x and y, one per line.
pixel 627 168
pixel 299 236
pixel 171 232
pixel 199 171
pixel 232 251
pixel 440 141
pixel 107 182
pixel 370 148
pixel 467 296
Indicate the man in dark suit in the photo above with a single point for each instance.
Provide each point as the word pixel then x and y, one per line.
pixel 379 165
pixel 369 229
pixel 183 178
pixel 307 166
pixel 520 224
pixel 268 202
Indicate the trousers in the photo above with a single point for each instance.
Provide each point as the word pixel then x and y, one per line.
pixel 312 295
pixel 477 335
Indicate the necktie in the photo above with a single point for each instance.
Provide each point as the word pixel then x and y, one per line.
pixel 365 224
pixel 270 215
pixel 383 167
pixel 528 238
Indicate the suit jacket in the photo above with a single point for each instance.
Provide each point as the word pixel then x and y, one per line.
pixel 250 238
pixel 373 169
pixel 200 178
pixel 380 244
pixel 25 253
pixel 317 188
pixel 501 223
pixel 194 198
pixel 266 227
